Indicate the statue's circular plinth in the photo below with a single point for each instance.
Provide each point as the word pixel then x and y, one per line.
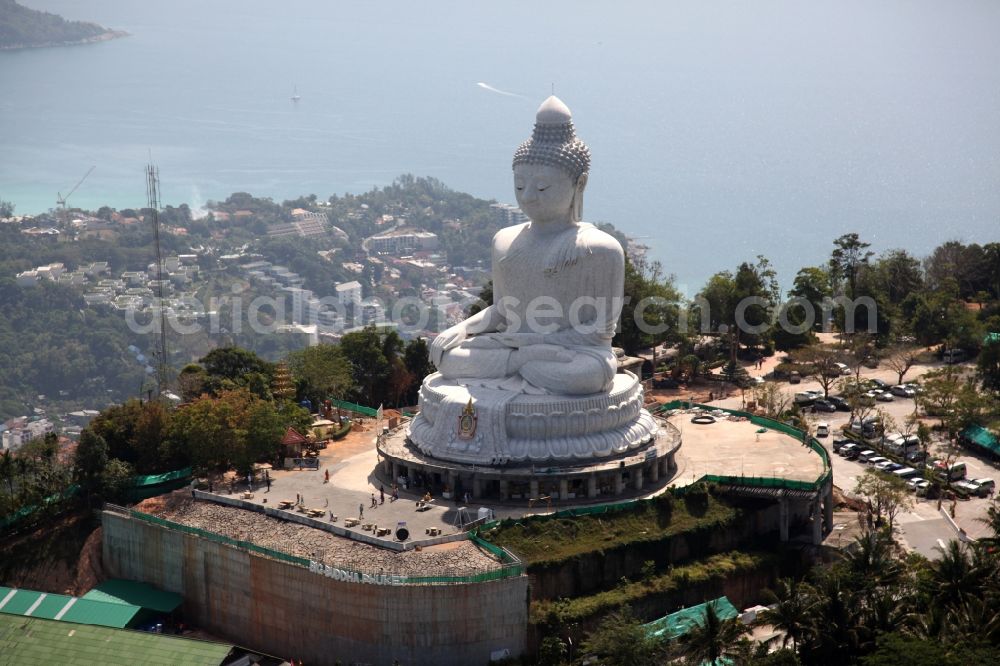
pixel 469 423
pixel 638 472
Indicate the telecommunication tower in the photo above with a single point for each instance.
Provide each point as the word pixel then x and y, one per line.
pixel 153 200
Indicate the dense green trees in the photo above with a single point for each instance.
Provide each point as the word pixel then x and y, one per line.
pixel 321 372
pixel 31 475
pixel 51 344
pixel 231 430
pixel 651 310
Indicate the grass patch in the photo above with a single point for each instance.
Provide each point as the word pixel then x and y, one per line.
pixel 542 540
pixel 715 568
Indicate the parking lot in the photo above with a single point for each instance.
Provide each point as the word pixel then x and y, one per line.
pixel 924 527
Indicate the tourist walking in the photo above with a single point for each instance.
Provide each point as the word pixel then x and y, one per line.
pixel 374 503
pixel 381 494
pixel 326 476
pixel 361 511
pixel 267 482
pixel 395 492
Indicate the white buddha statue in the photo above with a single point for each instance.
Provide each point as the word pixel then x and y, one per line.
pixel 557 282
pixel 533 377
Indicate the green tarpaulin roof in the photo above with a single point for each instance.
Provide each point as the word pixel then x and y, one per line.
pixel 36 641
pixel 982 438
pixel 31 603
pixel 134 593
pixel 677 624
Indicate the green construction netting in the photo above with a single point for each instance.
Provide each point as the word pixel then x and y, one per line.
pixel 26 511
pixel 677 624
pixel 157 479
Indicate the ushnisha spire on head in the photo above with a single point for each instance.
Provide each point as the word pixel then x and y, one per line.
pixel 554 141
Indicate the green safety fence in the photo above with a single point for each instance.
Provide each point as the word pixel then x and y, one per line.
pixel 354 407
pixel 509 570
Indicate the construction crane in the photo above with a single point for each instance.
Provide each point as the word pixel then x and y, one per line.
pixel 61 200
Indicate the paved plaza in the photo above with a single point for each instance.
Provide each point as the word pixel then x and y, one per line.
pixel 736 448
pixel 352 464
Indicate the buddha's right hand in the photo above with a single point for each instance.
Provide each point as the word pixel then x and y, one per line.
pixel 447 339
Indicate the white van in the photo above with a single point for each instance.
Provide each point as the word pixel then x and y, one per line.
pixel 822 429
pixel 955 472
pixel 906 473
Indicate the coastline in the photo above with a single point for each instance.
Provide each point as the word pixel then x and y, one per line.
pixel 106 36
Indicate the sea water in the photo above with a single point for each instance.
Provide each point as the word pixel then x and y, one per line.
pixel 719 131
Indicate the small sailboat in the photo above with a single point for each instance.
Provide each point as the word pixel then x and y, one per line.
pixel 295 94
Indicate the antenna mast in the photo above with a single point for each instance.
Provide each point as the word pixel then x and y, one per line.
pixel 153 199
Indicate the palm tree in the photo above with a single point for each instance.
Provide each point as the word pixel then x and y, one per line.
pixel 956 575
pixel 975 620
pixel 871 562
pixel 710 637
pixel 992 520
pixel 837 625
pixel 793 610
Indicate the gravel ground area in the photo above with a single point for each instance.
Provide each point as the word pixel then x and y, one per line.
pixel 459 558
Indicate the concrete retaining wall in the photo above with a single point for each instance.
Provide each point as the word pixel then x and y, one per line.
pixel 292 612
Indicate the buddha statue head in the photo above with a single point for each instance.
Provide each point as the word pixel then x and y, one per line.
pixel 551 168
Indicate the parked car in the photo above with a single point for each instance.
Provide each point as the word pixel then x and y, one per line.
pixel 884 396
pixel 843 368
pixel 954 356
pixel 916 457
pixel 876 460
pixel 794 377
pixel 867 455
pixel 903 391
pixel 900 444
pixel 878 384
pixel 824 405
pixel 964 489
pixel 864 428
pixel 840 403
pixel 822 429
pixel 840 443
pixel 928 490
pixel 907 473
pixel 846 448
pixel 984 487
pixel 917 485
pixel 851 453
pixel 888 466
pixel 954 472
pixel 806 398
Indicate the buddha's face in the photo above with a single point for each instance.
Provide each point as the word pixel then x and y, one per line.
pixel 545 193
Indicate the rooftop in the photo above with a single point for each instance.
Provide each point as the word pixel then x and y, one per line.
pixel 39 641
